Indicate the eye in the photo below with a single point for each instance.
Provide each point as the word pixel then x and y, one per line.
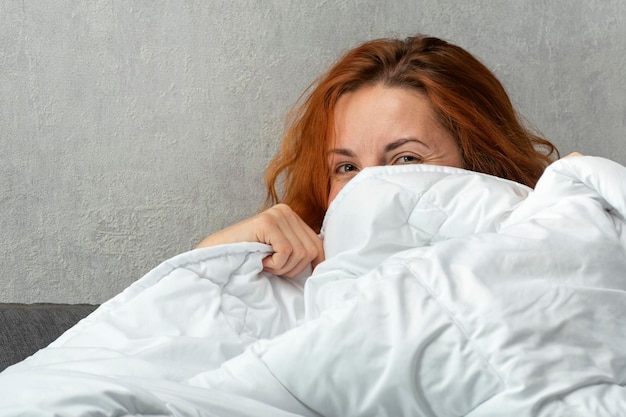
pixel 346 168
pixel 407 160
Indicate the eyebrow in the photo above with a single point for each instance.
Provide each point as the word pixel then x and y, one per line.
pixel 342 151
pixel 396 144
pixel 388 148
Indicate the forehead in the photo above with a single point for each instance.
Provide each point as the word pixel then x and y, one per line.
pixel 377 112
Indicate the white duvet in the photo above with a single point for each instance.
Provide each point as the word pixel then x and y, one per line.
pixel 444 293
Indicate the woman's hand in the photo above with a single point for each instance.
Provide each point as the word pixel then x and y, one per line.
pixel 294 243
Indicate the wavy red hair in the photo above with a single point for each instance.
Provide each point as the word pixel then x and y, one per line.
pixel 468 99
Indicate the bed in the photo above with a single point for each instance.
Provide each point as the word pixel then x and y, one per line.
pixel 444 293
pixel 26 328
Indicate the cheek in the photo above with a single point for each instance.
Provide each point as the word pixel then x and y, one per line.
pixel 334 190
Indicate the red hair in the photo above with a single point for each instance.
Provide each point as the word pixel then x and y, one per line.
pixel 468 99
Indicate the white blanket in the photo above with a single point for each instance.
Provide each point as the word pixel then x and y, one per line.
pixel 444 293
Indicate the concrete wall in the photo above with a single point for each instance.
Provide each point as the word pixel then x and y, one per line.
pixel 131 129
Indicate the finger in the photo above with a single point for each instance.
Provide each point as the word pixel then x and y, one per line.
pixel 294 243
pixel 277 262
pixel 307 246
pixel 277 231
pixel 297 263
pixel 289 249
pixel 321 256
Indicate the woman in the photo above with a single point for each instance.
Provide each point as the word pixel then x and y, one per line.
pixel 387 101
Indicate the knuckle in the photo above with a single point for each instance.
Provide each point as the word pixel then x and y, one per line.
pixel 287 251
pixel 306 253
pixel 299 253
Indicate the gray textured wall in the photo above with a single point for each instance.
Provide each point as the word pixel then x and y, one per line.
pixel 131 129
